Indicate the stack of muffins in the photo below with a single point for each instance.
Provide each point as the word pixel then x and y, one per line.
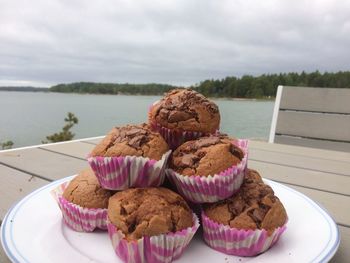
pixel 145 180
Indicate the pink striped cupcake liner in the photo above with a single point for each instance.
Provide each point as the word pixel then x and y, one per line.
pixel 212 188
pixel 175 138
pixel 238 242
pixel 79 218
pixel 123 172
pixel 163 248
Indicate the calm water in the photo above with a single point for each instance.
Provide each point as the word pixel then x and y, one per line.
pixel 26 117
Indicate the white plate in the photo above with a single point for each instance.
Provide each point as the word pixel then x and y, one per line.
pixel 33 231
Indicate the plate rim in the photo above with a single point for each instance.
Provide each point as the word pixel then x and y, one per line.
pixel 16 206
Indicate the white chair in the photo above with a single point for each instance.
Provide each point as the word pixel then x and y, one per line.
pixel 312 117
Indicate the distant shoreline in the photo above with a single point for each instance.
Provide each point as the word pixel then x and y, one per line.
pixel 24 89
pixel 128 94
pixel 246 87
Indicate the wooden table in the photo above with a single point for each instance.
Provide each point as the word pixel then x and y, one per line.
pixel 322 175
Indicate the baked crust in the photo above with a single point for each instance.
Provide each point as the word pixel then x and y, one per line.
pixel 139 212
pixel 134 140
pixel 254 207
pixel 85 191
pixel 186 110
pixel 206 156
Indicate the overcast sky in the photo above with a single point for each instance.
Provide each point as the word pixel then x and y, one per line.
pixel 45 42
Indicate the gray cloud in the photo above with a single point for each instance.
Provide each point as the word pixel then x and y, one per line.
pixel 177 42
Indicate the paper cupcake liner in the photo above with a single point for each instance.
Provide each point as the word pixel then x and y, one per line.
pixel 175 138
pixel 239 242
pixel 120 173
pixel 155 249
pixel 210 189
pixel 79 218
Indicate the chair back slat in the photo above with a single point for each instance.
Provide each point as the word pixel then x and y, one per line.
pixel 315 99
pixel 321 144
pixel 313 117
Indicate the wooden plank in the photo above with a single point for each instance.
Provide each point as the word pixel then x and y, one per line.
pixel 14 185
pixel 316 99
pixel 3 257
pixel 337 205
pixel 311 163
pixel 301 151
pixel 76 149
pixel 51 166
pixel 314 125
pixel 320 144
pixel 308 178
pixel 343 253
pixel 95 141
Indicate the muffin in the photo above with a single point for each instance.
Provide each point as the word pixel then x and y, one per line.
pixel 183 115
pixel 83 202
pixel 130 156
pixel 148 224
pixel 248 223
pixel 208 169
pixel 132 140
pixel 206 156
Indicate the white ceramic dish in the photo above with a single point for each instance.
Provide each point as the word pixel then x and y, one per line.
pixel 33 231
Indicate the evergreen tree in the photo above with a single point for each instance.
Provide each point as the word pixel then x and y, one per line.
pixel 65 134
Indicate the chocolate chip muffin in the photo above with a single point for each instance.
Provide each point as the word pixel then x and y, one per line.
pixel 186 110
pixel 134 140
pixel 84 190
pixel 142 212
pixel 254 207
pixel 206 156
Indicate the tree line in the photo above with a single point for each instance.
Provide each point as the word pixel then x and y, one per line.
pixel 112 88
pixel 265 86
pixel 247 86
pixel 23 88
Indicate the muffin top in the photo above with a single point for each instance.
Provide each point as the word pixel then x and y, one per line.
pixel 186 109
pixel 134 140
pixel 206 156
pixel 139 212
pixel 85 191
pixel 254 207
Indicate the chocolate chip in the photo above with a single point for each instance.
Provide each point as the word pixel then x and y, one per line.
pixel 236 152
pixel 122 211
pixel 137 141
pixel 188 160
pixel 176 116
pixel 207 141
pixel 258 214
pixel 132 227
pixel 265 190
pixel 135 136
pixel 118 139
pixel 237 206
pixel 122 133
pixel 201 154
pixel 163 113
pixel 272 198
pixel 135 131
